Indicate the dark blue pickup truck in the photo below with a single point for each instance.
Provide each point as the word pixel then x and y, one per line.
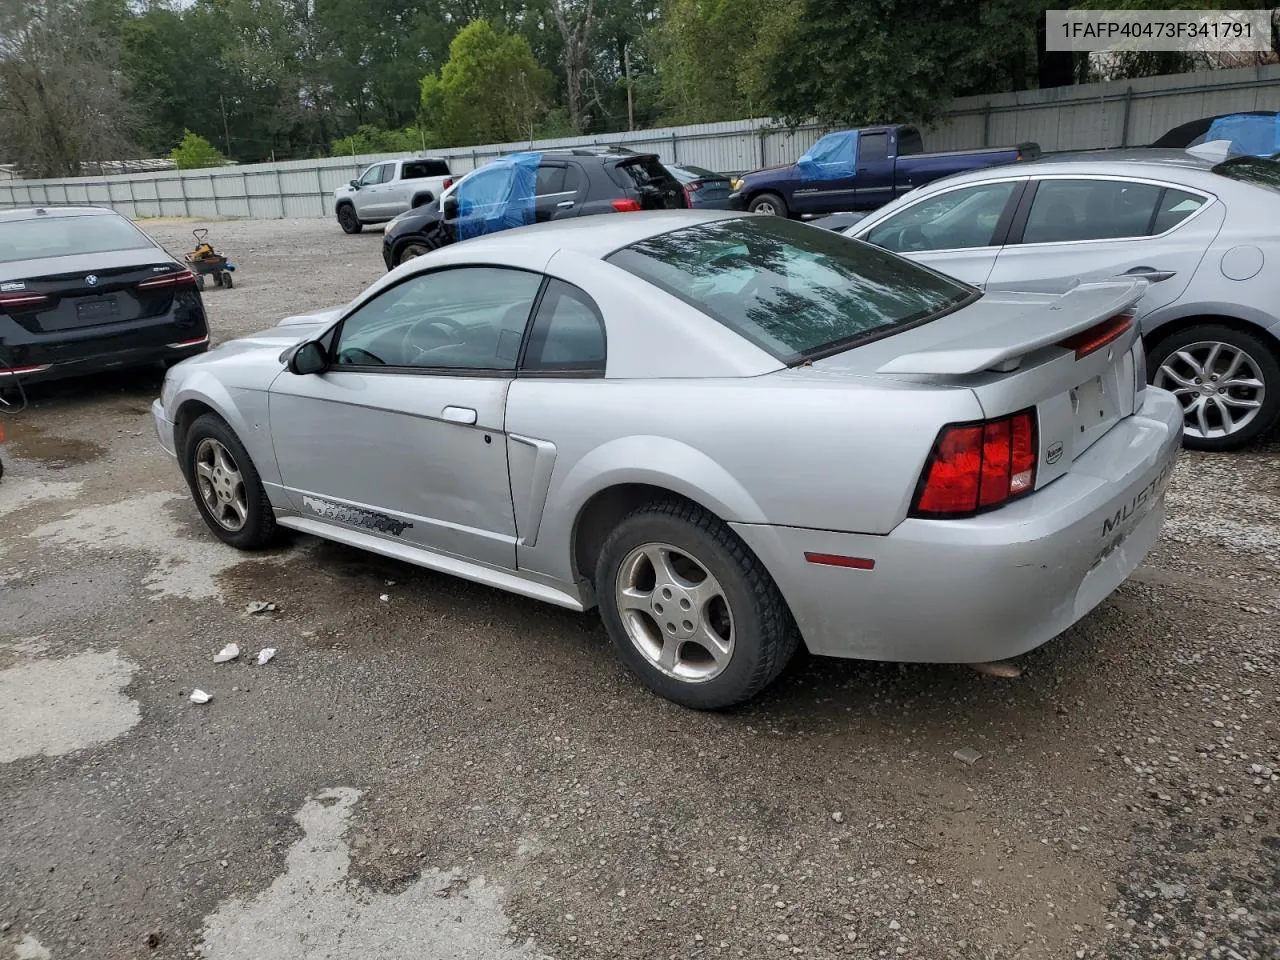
pixel 860 170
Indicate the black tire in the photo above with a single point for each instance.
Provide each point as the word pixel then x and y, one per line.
pixel 347 219
pixel 411 251
pixel 765 636
pixel 217 279
pixel 1261 355
pixel 259 529
pixel 226 279
pixel 768 203
pixel 200 282
pixel 420 200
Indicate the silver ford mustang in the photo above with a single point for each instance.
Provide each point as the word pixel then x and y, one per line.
pixel 731 433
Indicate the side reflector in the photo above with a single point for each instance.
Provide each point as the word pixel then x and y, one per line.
pixel 18 371
pixel 187 343
pixel 626 206
pixel 839 560
pixel 1096 337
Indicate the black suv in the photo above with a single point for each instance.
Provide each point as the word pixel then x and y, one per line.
pixel 570 183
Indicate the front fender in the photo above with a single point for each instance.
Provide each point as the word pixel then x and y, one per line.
pixel 244 410
pixel 655 461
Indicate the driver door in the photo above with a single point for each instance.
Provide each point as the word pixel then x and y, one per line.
pixel 958 232
pixel 403 435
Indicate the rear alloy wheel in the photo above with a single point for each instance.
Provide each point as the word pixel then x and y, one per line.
pixel 348 220
pixel 410 251
pixel 226 487
pixel 769 203
pixel 690 609
pixel 1227 381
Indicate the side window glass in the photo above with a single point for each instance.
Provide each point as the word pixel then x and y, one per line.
pixel 872 147
pixel 567 334
pixel 1174 207
pixel 571 179
pixel 550 180
pixel 468 318
pixel 956 220
pixel 1067 210
pixel 373 175
pixel 413 171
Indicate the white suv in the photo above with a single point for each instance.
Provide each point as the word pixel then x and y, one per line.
pixel 387 189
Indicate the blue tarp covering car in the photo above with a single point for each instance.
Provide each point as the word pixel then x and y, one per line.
pixel 499 196
pixel 835 155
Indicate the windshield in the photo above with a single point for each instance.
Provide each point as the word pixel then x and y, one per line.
pixel 53 236
pixel 1259 171
pixel 797 291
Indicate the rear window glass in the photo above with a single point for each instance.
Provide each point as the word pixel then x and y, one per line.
pixel 424 168
pixel 1259 171
pixel 640 173
pixel 797 291
pixel 67 236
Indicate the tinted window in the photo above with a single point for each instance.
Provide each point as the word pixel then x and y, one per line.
pixel 640 172
pixel 1066 210
pixel 909 142
pixel 418 169
pixel 376 174
pixel 63 236
pixel 571 178
pixel 550 180
pixel 1259 171
pixel 955 220
pixel 567 333
pixel 470 318
pixel 794 290
pixel 1173 207
pixel 872 147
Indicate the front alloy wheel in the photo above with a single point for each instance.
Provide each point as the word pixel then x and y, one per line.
pixel 1226 382
pixel 221 485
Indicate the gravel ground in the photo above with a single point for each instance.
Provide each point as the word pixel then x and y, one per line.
pixel 454 772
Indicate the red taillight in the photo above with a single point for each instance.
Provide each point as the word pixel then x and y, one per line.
pixel 183 278
pixel 977 466
pixel 1096 337
pixel 627 206
pixel 448 182
pixel 22 299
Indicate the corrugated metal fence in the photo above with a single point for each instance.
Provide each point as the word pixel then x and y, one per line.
pixel 1123 113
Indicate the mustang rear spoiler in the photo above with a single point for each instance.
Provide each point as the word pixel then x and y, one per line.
pixel 1042 325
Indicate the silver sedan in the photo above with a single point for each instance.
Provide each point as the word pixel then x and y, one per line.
pixel 730 433
pixel 1202 230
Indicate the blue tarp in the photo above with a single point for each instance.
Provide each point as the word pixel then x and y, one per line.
pixel 1255 135
pixel 498 196
pixel 832 157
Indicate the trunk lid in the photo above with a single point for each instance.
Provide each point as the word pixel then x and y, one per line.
pixel 51 297
pixel 1058 355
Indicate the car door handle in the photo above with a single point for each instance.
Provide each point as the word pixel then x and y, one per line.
pixel 459 415
pixel 1149 273
pixel 564 204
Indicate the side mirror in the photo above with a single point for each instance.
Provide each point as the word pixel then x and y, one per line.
pixel 307 359
pixel 451 208
pixel 355 184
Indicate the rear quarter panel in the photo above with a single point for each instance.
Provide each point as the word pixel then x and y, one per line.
pixel 796 448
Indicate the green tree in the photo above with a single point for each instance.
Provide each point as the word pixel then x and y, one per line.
pixel 491 89
pixel 195 152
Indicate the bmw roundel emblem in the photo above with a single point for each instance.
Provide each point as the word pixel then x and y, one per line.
pixel 91 279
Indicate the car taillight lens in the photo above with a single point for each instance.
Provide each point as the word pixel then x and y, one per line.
pixel 22 301
pixel 626 206
pixel 1096 337
pixel 183 278
pixel 978 466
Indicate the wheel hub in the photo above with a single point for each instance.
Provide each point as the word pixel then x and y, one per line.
pixel 673 610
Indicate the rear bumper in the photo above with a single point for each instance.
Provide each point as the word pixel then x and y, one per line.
pixel 29 369
pixel 993 586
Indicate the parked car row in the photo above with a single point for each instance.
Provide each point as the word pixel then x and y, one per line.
pixel 940 433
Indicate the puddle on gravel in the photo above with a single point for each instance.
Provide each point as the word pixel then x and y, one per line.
pixel 29 442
